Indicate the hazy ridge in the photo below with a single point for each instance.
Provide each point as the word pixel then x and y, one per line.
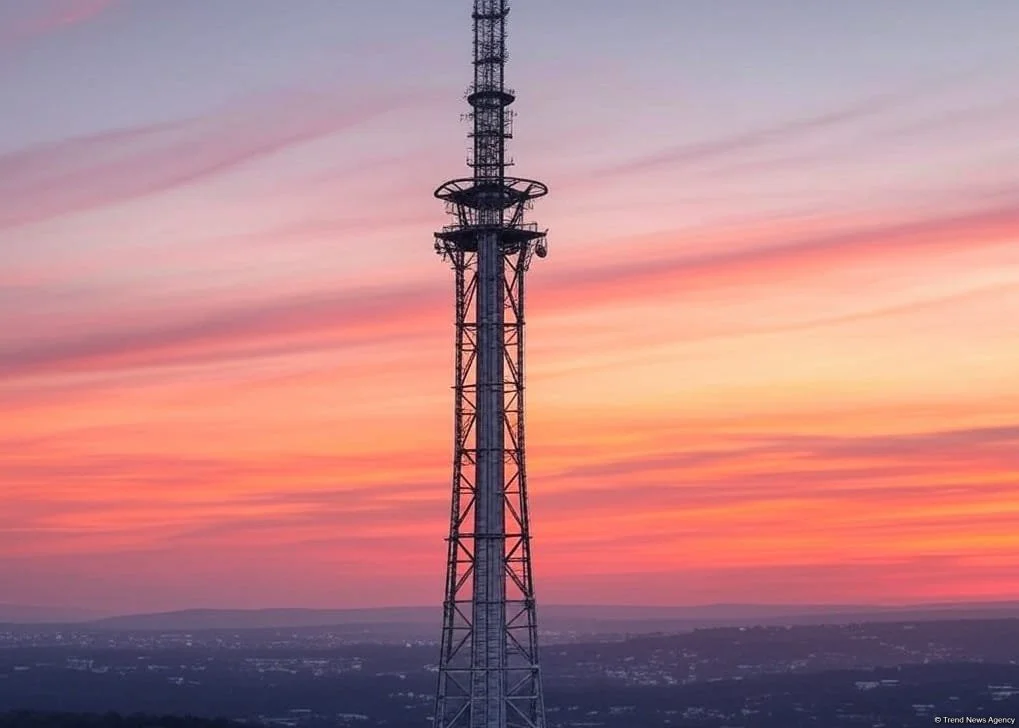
pixel 35 614
pixel 597 619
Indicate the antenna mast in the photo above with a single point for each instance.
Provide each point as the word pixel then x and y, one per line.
pixel 489 675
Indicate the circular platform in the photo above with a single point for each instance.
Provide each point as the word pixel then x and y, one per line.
pixel 495 194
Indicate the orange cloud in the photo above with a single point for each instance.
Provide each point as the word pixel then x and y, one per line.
pixel 846 498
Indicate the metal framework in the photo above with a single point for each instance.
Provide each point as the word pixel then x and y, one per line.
pixel 488 667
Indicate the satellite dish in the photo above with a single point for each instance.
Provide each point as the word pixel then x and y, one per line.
pixel 541 248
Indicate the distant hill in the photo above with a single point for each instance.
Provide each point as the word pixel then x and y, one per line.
pixel 268 618
pixel 418 621
pixel 34 614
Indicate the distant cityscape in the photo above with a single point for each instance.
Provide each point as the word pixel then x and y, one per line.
pixel 878 674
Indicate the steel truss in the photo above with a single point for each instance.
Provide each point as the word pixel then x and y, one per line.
pixel 489 674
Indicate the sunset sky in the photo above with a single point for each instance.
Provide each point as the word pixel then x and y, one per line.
pixel 773 351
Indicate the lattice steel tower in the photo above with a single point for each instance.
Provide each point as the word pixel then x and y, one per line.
pixel 488 666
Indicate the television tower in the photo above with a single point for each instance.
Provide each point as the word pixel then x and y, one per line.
pixel 488 666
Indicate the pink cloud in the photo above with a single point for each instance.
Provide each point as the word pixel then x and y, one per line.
pixel 356 317
pixel 792 131
pixel 56 15
pixel 314 320
pixel 797 255
pixel 82 173
pixel 80 11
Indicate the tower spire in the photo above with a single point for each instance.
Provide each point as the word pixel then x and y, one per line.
pixel 489 675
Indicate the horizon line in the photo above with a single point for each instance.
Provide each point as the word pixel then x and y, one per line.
pixel 573 605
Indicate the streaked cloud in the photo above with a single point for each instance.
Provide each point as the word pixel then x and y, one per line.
pixel 112 167
pixel 48 16
pixel 771 354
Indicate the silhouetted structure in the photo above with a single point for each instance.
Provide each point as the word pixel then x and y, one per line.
pixel 488 669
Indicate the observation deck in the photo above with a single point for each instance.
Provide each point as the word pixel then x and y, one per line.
pixel 482 207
